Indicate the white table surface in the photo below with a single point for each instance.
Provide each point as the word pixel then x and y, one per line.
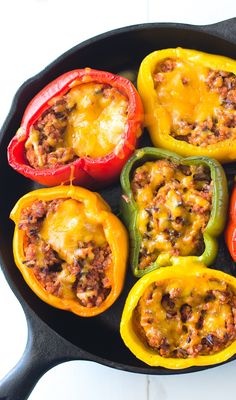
pixel 32 34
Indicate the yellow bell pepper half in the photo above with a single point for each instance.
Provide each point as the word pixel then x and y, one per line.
pixel 190 292
pixel 189 101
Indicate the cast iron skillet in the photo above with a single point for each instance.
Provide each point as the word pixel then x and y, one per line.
pixel 55 336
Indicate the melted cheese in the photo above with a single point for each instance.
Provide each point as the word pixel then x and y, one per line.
pixel 33 140
pixel 191 102
pixel 170 195
pixel 69 225
pixel 96 124
pixel 191 291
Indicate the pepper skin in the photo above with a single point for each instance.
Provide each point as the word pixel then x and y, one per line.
pixel 132 340
pixel 230 232
pixel 100 213
pixel 85 171
pixel 129 208
pixel 157 118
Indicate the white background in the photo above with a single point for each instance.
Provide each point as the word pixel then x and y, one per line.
pixel 32 34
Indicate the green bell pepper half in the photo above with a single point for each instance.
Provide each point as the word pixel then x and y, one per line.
pixel 129 208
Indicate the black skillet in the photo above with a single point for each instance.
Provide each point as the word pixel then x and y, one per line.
pixel 55 336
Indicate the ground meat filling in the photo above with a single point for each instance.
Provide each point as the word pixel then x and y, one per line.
pixel 85 279
pixel 60 135
pixel 45 146
pixel 174 206
pixel 205 129
pixel 183 318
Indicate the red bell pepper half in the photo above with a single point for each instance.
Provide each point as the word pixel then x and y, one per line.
pixel 85 171
pixel 230 232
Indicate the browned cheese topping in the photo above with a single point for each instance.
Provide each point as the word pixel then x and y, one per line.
pixel 89 120
pixel 187 317
pixel 68 255
pixel 174 207
pixel 200 103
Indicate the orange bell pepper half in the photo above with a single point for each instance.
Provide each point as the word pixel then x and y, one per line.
pixel 70 248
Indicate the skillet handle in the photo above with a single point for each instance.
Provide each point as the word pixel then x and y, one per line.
pixel 44 350
pixel 226 29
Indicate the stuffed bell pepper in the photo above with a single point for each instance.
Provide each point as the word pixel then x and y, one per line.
pixel 82 127
pixel 230 232
pixel 67 245
pixel 178 317
pixel 189 99
pixel 174 207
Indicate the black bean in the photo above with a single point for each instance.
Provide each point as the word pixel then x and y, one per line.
pixel 150 295
pixel 217 132
pixel 209 297
pixel 55 267
pixel 180 353
pixel 199 324
pixel 208 340
pixel 61 115
pixel 201 177
pixel 188 340
pixel 179 220
pixel 185 312
pixel 167 303
pixel 149 211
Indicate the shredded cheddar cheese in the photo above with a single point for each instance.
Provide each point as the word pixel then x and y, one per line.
pixel 184 93
pixel 199 103
pixel 187 317
pixel 174 205
pixel 96 124
pixel 69 225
